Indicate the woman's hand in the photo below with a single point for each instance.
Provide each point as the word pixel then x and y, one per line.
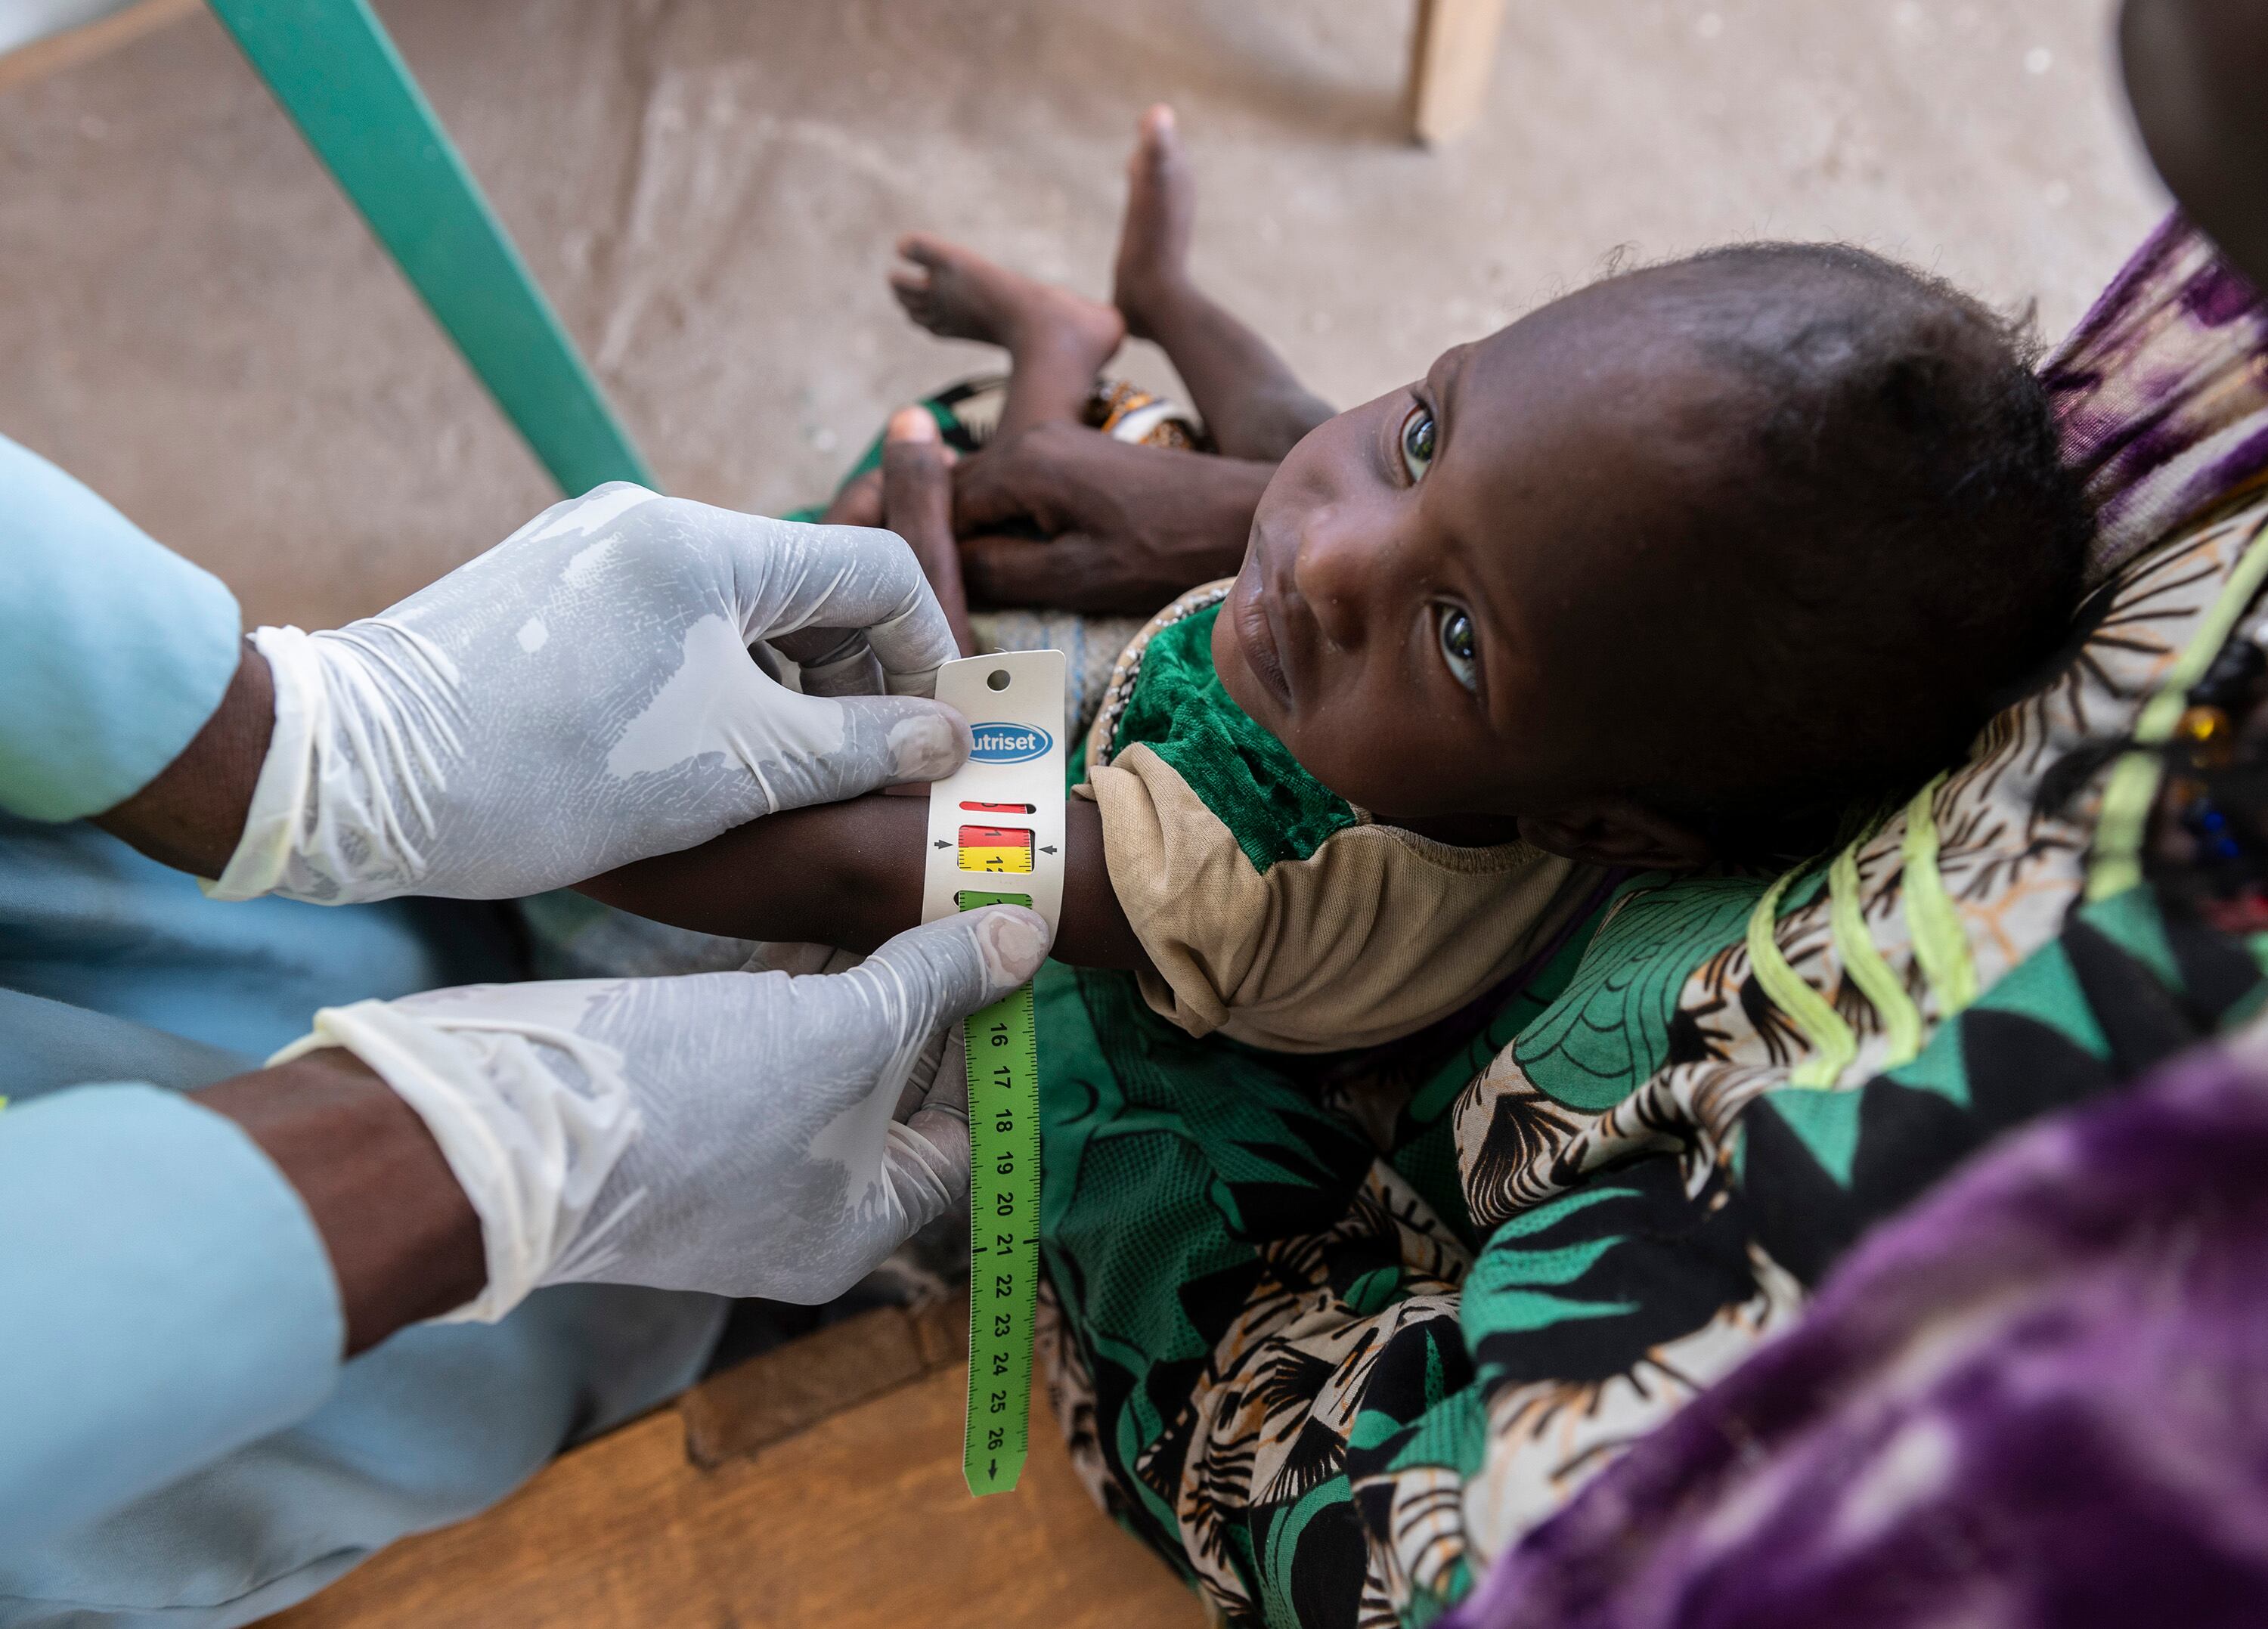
pixel 1128 527
pixel 583 696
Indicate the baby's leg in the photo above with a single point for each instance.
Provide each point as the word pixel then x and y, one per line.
pixel 1248 397
pixel 1057 341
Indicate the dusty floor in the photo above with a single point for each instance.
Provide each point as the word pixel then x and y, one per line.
pixel 193 322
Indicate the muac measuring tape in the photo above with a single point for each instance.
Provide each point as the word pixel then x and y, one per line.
pixel 996 836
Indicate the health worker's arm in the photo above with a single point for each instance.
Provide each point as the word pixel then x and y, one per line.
pixel 181 1276
pixel 170 1291
pixel 849 875
pixel 185 1273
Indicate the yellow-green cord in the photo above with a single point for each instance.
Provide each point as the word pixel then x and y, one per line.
pixel 1932 921
pixel 1867 967
pixel 2133 784
pixel 1833 1046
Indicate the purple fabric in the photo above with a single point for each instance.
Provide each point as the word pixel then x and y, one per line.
pixel 2161 393
pixel 2039 1399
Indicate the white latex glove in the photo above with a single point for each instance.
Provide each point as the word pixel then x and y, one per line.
pixel 583 696
pixel 733 1132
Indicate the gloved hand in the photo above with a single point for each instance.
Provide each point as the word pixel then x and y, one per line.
pixel 583 696
pixel 733 1132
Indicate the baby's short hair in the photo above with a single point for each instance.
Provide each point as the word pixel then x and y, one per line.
pixel 1904 534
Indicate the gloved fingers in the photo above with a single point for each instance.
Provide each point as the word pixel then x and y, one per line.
pixel 835 661
pixel 940 1070
pixel 580 516
pixel 928 1158
pixel 844 577
pixel 945 970
pixel 927 1165
pixel 806 750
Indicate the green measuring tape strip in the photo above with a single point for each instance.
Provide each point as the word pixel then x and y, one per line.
pixel 1004 1229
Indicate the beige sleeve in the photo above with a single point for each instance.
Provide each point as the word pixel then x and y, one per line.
pixel 1373 936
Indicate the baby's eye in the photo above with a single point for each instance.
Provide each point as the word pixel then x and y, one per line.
pixel 1418 442
pixel 1456 629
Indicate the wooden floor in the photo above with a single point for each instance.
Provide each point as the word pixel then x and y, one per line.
pixel 860 1520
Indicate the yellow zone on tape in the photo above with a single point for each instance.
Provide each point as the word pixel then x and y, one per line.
pixel 995 849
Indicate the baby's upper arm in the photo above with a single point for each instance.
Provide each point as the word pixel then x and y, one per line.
pixel 1094 932
pixel 836 874
pixel 849 875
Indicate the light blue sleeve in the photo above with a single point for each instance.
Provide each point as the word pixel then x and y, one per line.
pixel 164 1298
pixel 114 649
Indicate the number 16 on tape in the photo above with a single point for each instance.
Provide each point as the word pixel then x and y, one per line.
pixel 999 820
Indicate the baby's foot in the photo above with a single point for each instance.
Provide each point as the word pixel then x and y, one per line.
pixel 1153 240
pixel 958 294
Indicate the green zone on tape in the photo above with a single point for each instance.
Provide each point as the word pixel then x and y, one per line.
pixel 1004 1229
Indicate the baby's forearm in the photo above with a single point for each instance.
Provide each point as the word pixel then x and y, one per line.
pixel 850 874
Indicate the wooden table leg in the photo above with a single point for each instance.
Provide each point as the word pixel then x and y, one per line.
pixel 1452 53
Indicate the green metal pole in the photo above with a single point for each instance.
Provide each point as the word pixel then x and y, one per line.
pixel 335 70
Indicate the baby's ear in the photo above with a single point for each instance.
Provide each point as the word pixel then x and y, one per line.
pixel 1617 831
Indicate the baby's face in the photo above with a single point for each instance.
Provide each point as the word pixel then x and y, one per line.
pixel 1456 595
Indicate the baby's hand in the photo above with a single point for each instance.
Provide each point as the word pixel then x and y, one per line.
pixel 916 504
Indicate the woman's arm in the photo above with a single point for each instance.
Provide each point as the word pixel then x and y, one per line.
pixel 2193 72
pixel 849 875
pixel 1126 527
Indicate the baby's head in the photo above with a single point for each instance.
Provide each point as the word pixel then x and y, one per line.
pixel 1691 559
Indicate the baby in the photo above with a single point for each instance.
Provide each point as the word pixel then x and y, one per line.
pixel 1679 568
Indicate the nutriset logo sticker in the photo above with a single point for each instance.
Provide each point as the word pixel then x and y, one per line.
pixel 1009 743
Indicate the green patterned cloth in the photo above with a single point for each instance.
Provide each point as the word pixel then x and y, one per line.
pixel 1172 1162
pixel 1331 1334
pixel 1215 1217
pixel 1193 1187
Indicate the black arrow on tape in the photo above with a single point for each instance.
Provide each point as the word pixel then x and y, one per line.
pixel 941 844
pixel 1048 849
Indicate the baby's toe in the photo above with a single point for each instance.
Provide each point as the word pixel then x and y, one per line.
pixel 926 251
